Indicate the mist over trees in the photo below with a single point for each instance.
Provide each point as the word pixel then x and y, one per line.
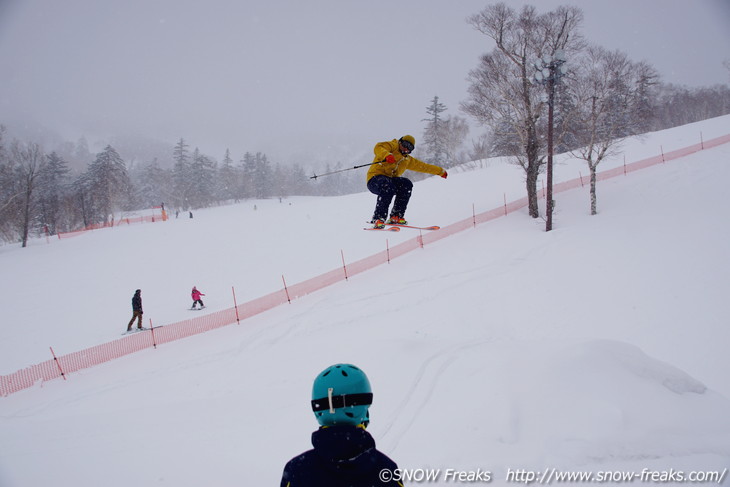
pixel 41 194
pixel 443 137
pixel 603 98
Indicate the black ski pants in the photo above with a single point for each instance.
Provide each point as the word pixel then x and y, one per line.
pixel 386 187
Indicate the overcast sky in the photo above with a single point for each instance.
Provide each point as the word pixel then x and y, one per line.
pixel 294 79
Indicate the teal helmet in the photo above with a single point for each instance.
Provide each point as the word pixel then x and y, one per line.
pixel 341 395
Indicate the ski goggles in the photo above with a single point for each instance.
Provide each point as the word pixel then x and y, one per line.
pixel 344 400
pixel 405 146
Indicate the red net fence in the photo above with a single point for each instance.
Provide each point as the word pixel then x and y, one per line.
pixel 61 366
pixel 158 215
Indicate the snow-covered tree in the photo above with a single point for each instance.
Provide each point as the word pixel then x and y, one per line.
pixel 203 170
pixel 679 105
pixel 433 135
pixel 29 162
pixel 258 175
pixel 153 185
pixel 53 182
pixel 9 192
pixel 501 94
pixel 227 179
pixel 108 185
pixel 182 176
pixel 610 93
pixel 454 129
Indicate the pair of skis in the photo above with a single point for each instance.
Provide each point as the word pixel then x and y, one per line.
pixel 396 228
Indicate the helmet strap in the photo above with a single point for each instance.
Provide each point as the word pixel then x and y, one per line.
pixel 335 402
pixel 329 399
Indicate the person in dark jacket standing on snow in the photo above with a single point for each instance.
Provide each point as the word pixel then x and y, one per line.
pixel 136 310
pixel 344 453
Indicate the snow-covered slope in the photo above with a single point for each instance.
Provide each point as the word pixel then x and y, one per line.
pixel 598 346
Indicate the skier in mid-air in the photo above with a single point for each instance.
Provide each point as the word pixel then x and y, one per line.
pixel 384 178
pixel 344 452
pixel 196 298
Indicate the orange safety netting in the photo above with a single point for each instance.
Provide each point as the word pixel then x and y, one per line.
pixel 72 362
pixel 160 217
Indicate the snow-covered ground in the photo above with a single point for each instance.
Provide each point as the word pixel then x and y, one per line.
pixel 599 346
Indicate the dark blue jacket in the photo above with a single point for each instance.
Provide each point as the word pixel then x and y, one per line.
pixel 343 456
pixel 137 302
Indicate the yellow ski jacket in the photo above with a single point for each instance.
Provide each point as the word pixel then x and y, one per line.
pixel 403 162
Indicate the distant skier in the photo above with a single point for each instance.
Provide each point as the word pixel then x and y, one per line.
pixel 385 178
pixel 136 310
pixel 344 453
pixel 196 298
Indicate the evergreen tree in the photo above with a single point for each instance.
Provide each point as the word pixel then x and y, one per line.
pixel 258 175
pixel 297 181
pixel 81 201
pixel 108 184
pixel 264 181
pixel 53 188
pixel 433 135
pixel 202 170
pixel 280 177
pixel 182 176
pixel 153 185
pixel 248 173
pixel 227 180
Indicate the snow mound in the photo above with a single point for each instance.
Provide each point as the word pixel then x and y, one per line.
pixel 605 359
pixel 604 401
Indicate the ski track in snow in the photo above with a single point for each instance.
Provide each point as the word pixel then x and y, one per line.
pixel 588 347
pixel 420 391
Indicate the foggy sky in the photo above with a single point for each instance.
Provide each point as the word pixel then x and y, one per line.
pixel 297 80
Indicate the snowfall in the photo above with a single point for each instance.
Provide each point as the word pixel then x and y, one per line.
pixel 503 351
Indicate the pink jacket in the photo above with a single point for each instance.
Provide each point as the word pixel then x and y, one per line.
pixel 197 294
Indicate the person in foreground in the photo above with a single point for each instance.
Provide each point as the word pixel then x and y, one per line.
pixel 384 178
pixel 344 453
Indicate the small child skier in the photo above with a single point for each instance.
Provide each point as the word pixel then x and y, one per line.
pixel 344 452
pixel 196 298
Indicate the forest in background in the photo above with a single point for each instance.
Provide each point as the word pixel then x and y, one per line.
pixel 603 98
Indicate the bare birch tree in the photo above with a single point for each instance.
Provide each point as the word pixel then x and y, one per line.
pixel 29 162
pixel 501 92
pixel 610 92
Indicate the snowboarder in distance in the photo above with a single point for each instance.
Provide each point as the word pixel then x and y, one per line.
pixel 344 452
pixel 196 298
pixel 385 178
pixel 136 310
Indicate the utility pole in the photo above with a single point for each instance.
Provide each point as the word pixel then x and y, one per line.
pixel 548 72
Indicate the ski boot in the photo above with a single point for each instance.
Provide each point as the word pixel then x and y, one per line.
pixel 396 220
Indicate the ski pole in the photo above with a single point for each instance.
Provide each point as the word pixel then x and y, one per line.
pixel 343 170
